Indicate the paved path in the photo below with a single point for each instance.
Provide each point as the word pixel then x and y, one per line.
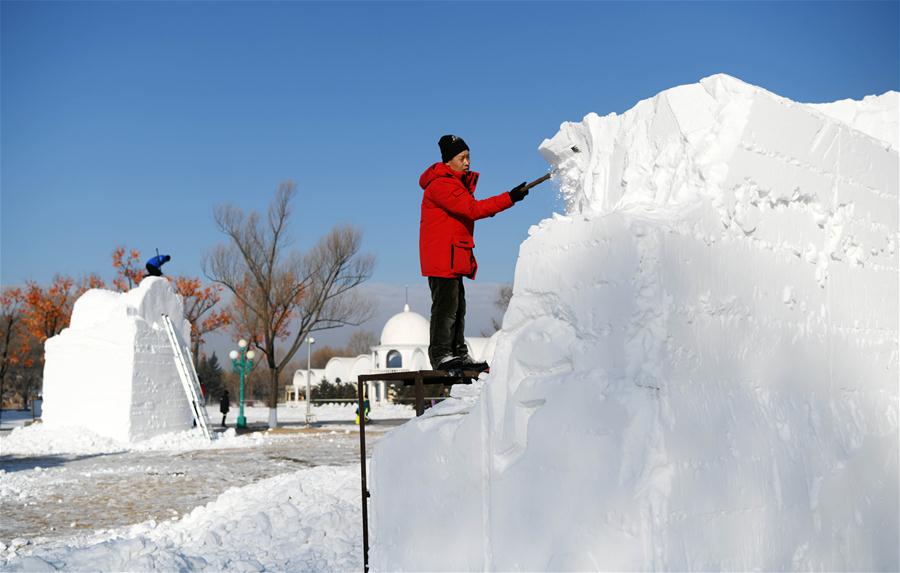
pixel 52 496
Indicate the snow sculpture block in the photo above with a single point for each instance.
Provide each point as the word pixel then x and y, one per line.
pixel 698 368
pixel 112 371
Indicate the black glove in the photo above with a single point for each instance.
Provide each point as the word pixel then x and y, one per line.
pixel 519 193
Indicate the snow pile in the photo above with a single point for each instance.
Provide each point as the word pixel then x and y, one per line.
pixel 335 412
pixel 303 521
pixel 698 367
pixel 49 439
pixel 112 371
pixel 42 440
pixel 874 115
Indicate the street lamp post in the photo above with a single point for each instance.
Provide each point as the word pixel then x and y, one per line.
pixel 242 367
pixel 309 342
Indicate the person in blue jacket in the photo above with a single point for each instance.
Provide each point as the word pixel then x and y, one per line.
pixel 365 409
pixel 154 265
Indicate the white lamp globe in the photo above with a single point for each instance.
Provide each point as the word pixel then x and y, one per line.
pixel 242 343
pixel 251 355
pixel 233 355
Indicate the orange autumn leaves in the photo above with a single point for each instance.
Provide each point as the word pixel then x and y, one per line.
pixel 199 301
pixel 129 270
pixel 274 317
pixel 31 314
pixel 15 350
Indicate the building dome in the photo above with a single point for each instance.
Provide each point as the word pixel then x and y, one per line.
pixel 406 328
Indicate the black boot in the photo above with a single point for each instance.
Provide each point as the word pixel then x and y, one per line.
pixel 455 363
pixel 469 364
pixel 465 363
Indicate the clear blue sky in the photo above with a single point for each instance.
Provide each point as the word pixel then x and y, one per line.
pixel 124 123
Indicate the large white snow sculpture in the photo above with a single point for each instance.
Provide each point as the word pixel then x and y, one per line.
pixel 112 371
pixel 698 368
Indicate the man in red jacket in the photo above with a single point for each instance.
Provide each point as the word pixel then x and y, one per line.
pixel 446 244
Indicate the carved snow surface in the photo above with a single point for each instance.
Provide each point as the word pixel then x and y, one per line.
pixel 112 371
pixel 698 368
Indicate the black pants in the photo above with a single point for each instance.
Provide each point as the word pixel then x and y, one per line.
pixel 448 319
pixel 153 271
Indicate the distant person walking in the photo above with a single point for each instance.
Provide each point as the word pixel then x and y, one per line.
pixel 224 406
pixel 446 245
pixel 154 265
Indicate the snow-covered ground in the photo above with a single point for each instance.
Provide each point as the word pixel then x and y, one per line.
pixel 39 439
pixel 307 520
pixel 283 500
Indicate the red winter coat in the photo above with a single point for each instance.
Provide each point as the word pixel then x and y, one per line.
pixel 449 212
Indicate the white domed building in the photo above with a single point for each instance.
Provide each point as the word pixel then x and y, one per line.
pixel 403 347
pixel 404 343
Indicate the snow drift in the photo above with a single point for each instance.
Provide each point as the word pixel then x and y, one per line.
pixel 113 371
pixel 299 521
pixel 698 368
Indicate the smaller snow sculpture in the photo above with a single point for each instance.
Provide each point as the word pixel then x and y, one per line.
pixel 112 371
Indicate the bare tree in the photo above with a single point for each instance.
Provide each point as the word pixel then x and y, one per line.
pixel 504 295
pixel 198 304
pixel 322 355
pixel 361 342
pixel 11 300
pixel 282 294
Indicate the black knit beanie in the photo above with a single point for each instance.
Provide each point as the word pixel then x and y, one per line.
pixel 451 146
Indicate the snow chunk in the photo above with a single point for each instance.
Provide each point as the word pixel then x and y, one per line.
pixel 112 371
pixel 698 366
pixel 876 116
